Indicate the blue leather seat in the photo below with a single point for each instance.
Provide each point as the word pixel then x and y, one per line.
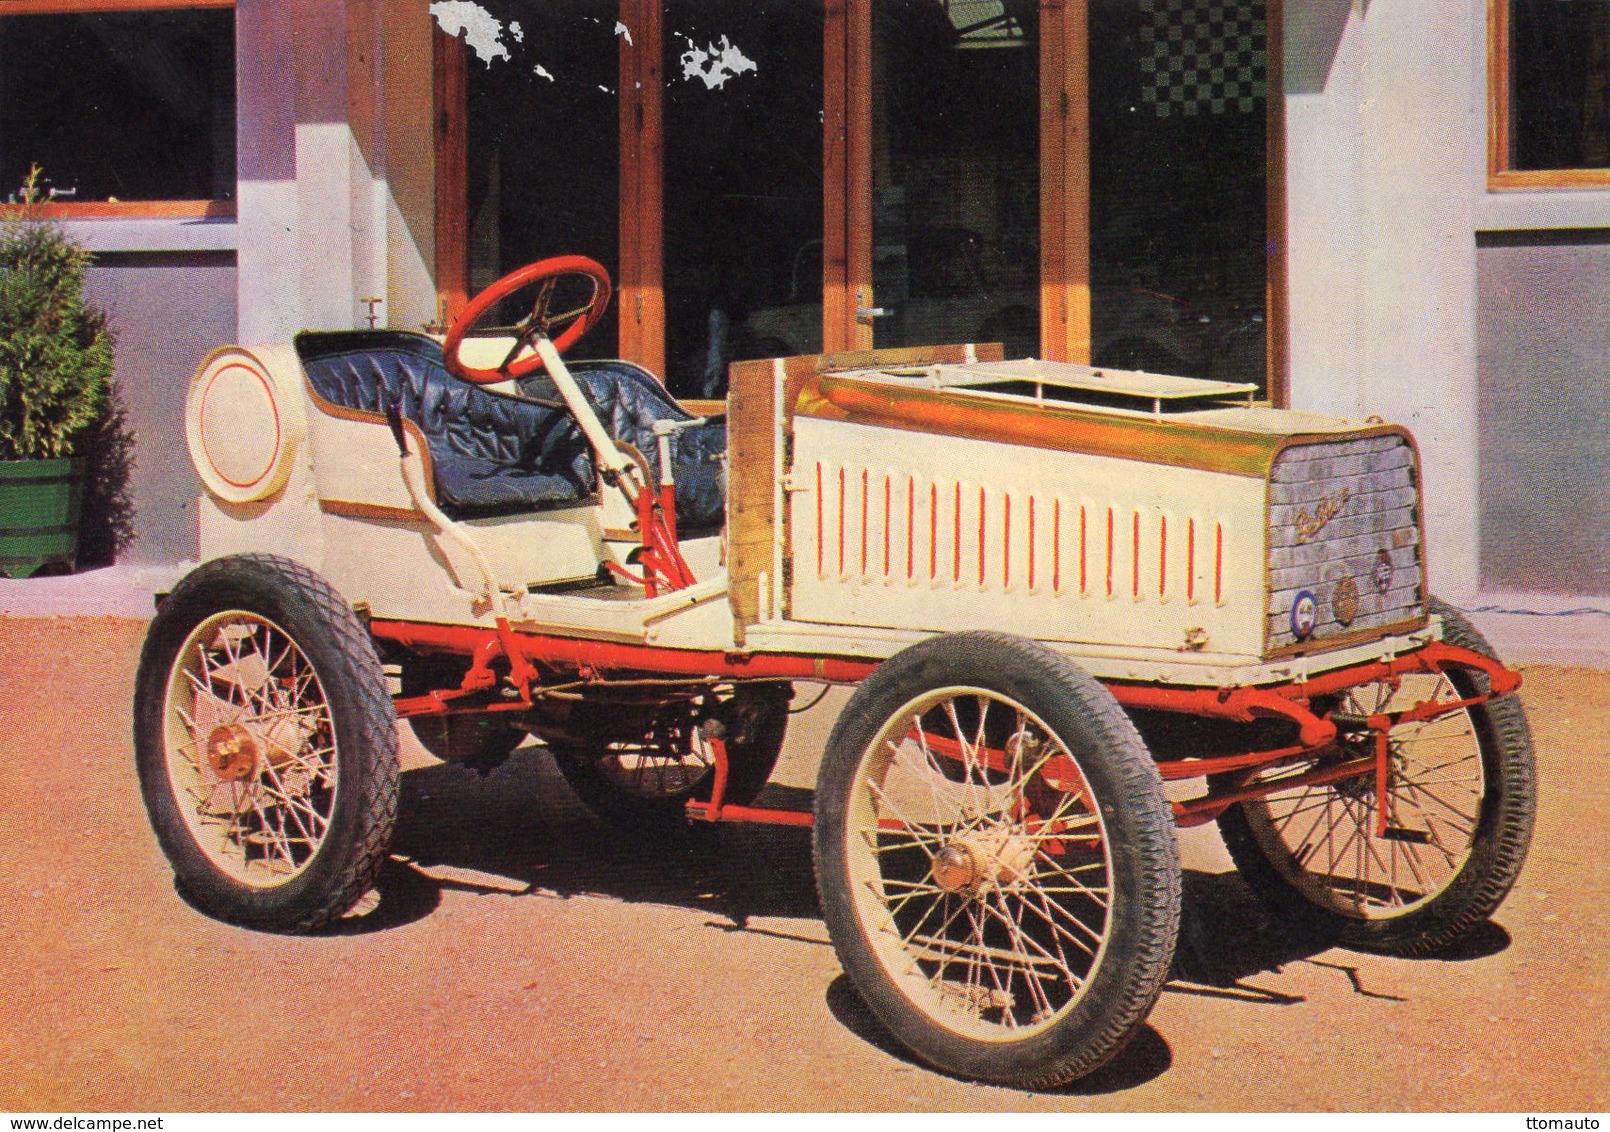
pixel 495 454
pixel 628 400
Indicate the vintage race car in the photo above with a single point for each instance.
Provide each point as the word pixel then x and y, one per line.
pixel 1066 594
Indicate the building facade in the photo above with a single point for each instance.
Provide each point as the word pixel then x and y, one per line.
pixel 1369 208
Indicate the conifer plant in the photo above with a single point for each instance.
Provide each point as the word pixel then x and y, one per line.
pixel 55 350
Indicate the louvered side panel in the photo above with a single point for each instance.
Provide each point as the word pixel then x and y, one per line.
pixel 971 534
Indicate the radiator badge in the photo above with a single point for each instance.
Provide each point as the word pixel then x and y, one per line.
pixel 1328 508
pixel 1344 601
pixel 1304 612
pixel 1383 571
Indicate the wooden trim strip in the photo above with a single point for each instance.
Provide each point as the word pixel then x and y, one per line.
pixel 351 509
pixel 1059 428
pixel 73 7
pixel 131 209
pixel 908 356
pixel 1533 180
pixel 1497 89
pixel 1318 645
pixel 640 274
pixel 1277 323
pixel 1065 181
pixel 451 96
pixel 846 173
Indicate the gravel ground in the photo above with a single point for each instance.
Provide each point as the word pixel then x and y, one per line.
pixel 522 958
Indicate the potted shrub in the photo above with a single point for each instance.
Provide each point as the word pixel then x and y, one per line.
pixel 55 387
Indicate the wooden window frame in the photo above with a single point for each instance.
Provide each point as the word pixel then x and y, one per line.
pixel 1277 261
pixel 1500 177
pixel 450 93
pixel 1065 181
pixel 121 210
pixel 640 275
pixel 847 183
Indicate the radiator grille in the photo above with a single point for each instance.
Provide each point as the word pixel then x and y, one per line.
pixel 1344 540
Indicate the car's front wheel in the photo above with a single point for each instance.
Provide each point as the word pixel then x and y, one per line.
pixel 266 744
pixel 996 860
pixel 1461 798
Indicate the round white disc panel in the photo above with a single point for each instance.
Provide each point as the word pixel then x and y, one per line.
pixel 240 426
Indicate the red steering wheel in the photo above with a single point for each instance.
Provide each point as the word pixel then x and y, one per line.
pixel 563 279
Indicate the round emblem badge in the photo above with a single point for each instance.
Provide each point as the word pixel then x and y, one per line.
pixel 1304 612
pixel 1383 571
pixel 1344 601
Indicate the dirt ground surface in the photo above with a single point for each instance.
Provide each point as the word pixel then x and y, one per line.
pixel 521 957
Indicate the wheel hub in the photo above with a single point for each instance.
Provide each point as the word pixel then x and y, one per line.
pixel 956 869
pixel 232 752
pixel 997 858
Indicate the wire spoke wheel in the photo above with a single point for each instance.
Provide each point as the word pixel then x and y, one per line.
pixel 1327 836
pixel 266 744
pixel 995 859
pixel 670 762
pixel 980 863
pixel 250 748
pixel 1460 796
pixel 639 772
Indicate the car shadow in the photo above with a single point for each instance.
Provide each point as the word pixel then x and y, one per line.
pixel 1147 1056
pixel 518 830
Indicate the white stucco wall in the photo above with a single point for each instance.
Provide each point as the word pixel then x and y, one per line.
pixel 336 199
pixel 1386 152
pixel 1386 109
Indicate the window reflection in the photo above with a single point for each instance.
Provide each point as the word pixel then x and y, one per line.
pixel 743 185
pixel 125 106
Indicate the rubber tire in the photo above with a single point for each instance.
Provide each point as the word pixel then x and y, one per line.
pixel 750 763
pixel 325 627
pixel 1505 832
pixel 1143 851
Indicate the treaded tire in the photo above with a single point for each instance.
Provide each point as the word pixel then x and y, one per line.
pixel 752 755
pixel 1503 832
pixel 354 790
pixel 1072 1021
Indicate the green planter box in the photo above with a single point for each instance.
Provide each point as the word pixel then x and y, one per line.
pixel 40 501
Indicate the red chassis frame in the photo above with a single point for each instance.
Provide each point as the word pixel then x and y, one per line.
pixel 571 660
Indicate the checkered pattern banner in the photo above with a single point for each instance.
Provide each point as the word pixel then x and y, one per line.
pixel 1202 56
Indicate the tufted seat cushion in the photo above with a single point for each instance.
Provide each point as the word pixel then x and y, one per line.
pixel 628 401
pixel 494 454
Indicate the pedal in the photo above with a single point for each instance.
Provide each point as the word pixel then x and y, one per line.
pixel 1413 836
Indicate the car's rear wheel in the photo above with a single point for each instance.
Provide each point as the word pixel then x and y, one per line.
pixel 642 780
pixel 996 861
pixel 266 744
pixel 480 740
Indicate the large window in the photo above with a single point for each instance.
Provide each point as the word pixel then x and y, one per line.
pixel 543 159
pixel 955 151
pixel 743 185
pixel 119 109
pixel 1179 262
pixel 1096 179
pixel 1549 93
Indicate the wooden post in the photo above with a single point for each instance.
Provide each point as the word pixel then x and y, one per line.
pixel 1065 180
pixel 640 276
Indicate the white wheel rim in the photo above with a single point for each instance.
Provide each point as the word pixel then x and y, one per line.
pixel 1323 838
pixel 978 864
pixel 251 749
